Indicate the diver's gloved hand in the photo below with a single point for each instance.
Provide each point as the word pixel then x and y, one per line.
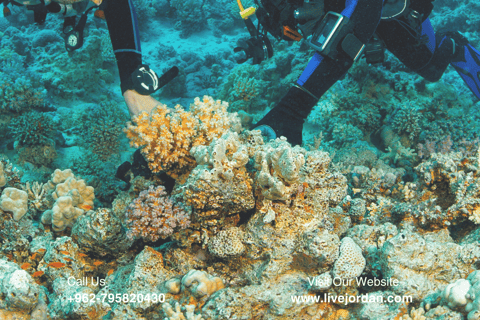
pixel 288 116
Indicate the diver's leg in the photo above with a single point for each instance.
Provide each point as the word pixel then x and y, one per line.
pixel 416 48
pixel 287 118
pixel 123 29
pixel 429 54
pixel 466 61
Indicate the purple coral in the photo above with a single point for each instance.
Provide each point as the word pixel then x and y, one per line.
pixel 155 215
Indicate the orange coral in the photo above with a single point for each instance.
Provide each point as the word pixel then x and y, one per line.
pixel 167 136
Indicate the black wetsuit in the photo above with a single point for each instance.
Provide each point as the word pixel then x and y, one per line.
pixel 123 28
pixel 417 47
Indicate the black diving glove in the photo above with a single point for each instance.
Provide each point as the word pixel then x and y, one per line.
pixel 288 116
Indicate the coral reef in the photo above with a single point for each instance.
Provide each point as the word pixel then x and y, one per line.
pixel 100 232
pixel 219 188
pixel 18 290
pixel 104 128
pixel 14 201
pixel 10 175
pixel 153 215
pixel 72 198
pixel 227 243
pixel 168 136
pixel 190 15
pixel 382 201
pixel 413 259
pixel 350 263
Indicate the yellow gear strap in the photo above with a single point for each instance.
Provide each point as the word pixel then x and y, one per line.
pixel 244 13
pixel 97 2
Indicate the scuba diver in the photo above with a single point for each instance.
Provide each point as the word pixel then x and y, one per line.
pixel 137 80
pixel 341 32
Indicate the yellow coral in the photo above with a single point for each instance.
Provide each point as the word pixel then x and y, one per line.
pixel 167 136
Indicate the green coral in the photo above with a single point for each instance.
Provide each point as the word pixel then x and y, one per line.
pixel 407 120
pixel 18 92
pixel 33 129
pixel 100 175
pixel 191 16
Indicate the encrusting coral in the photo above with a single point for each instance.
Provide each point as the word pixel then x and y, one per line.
pixel 219 187
pixel 168 135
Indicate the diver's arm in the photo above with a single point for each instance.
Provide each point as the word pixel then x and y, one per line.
pixel 123 28
pixel 138 103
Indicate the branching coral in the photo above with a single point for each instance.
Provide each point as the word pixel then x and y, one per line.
pixel 244 88
pixel 33 128
pixel 98 174
pixel 18 92
pixel 191 16
pixel 19 95
pixel 33 133
pixel 407 119
pixel 153 215
pixel 168 135
pixel 104 129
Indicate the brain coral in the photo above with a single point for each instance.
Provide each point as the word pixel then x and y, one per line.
pixel 351 262
pixel 168 135
pixel 227 243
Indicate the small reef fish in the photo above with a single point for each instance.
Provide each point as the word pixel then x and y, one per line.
pixel 41 250
pixel 109 272
pixel 67 259
pixel 37 274
pixel 26 265
pixel 82 255
pixel 56 264
pixel 97 263
pixel 33 256
pixel 66 253
pixel 85 207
